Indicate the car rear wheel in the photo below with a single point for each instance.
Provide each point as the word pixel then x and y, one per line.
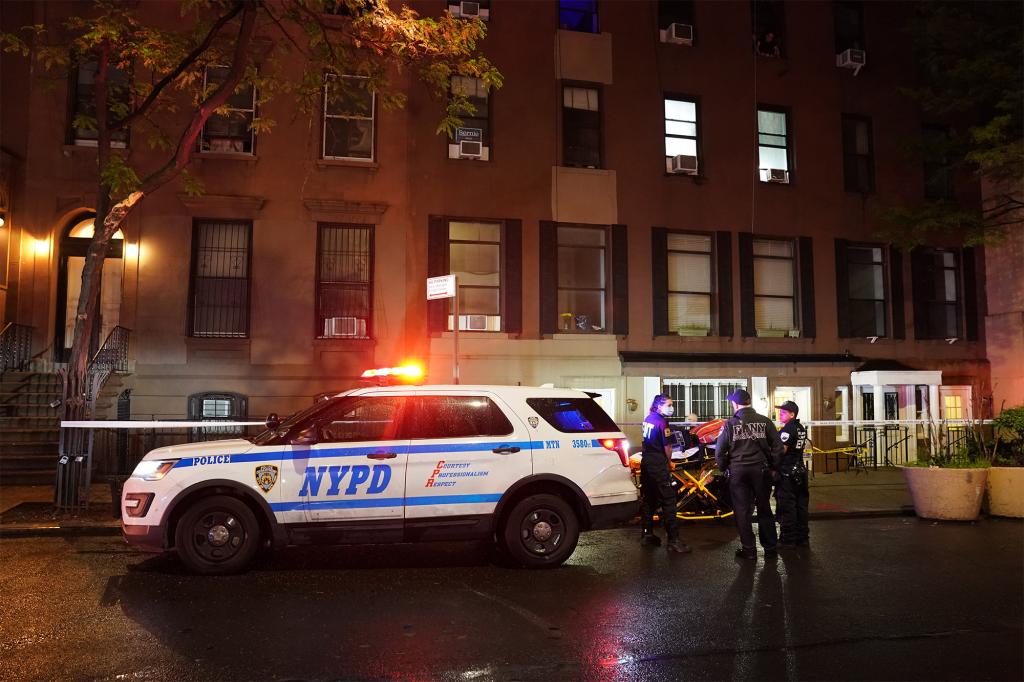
pixel 217 535
pixel 541 531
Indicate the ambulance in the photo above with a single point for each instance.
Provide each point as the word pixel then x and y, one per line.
pixel 527 468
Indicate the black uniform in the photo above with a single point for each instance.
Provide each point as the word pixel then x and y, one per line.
pixel 791 493
pixel 655 477
pixel 748 447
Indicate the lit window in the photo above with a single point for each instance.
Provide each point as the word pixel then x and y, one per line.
pixel 582 279
pixel 773 146
pixel 681 141
pixel 689 283
pixel 578 15
pixel 774 287
pixel 707 398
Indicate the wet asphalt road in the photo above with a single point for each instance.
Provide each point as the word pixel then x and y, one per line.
pixel 893 598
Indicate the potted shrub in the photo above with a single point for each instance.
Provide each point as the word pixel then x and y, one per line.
pixel 1006 476
pixel 692 330
pixel 772 332
pixel 947 487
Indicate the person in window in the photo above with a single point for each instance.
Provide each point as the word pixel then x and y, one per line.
pixel 749 448
pixel 791 492
pixel 656 477
pixel 768 45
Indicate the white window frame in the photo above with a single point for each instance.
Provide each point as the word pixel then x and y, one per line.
pixel 722 389
pixel 696 130
pixel 252 110
pixel 372 118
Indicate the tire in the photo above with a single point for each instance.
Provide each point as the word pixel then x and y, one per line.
pixel 217 535
pixel 541 531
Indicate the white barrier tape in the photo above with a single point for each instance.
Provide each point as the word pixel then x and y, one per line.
pixel 154 425
pixel 837 422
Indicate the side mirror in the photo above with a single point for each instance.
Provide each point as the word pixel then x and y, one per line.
pixel 306 436
pixel 273 421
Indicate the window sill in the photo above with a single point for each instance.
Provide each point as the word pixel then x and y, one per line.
pixel 352 343
pixel 465 333
pixel 563 336
pixel 227 156
pixel 70 149
pixel 697 179
pixel 347 163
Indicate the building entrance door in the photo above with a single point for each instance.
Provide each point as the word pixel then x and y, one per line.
pixel 801 395
pixel 74 246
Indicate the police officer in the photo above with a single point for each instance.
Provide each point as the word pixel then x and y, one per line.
pixel 656 479
pixel 791 493
pixel 749 448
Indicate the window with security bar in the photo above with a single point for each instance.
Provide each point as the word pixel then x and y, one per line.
pixel 220 284
pixel 344 285
pixel 707 398
pixel 775 288
pixel 774 146
pixel 474 256
pixel 229 130
pixel 690 283
pixel 350 110
pixel 217 406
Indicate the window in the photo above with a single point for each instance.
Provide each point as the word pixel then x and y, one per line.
pixel 867 308
pixel 707 398
pixel 474 255
pixel 573 415
pixel 344 285
pixel 578 15
pixel 350 110
pixel 83 107
pixel 681 136
pixel 842 405
pixel 230 132
pixel 689 283
pixel 849 24
pixel 217 406
pixel 768 26
pixel 937 290
pixel 450 416
pixel 858 155
pixel 678 12
pixel 219 298
pixel 774 287
pixel 471 10
pixel 581 127
pixel 774 151
pixel 473 138
pixel 938 173
pixel 353 420
pixel 582 279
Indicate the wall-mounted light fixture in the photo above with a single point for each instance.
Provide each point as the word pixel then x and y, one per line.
pixel 131 250
pixel 3 218
pixel 42 247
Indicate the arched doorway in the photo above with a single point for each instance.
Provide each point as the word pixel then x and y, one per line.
pixel 74 245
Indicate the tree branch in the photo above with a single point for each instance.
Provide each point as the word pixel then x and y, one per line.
pixel 186 143
pixel 187 61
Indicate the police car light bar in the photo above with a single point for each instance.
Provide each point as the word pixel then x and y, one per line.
pixel 409 373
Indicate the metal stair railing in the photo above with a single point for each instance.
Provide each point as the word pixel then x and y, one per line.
pixel 15 346
pixel 113 354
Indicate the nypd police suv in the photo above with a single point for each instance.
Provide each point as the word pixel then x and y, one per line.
pixel 527 467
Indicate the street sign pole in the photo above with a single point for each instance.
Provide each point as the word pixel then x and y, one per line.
pixel 455 334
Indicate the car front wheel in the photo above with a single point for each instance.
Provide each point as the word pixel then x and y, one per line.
pixel 541 531
pixel 217 535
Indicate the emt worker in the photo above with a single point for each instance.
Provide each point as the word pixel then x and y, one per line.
pixel 791 493
pixel 749 448
pixel 656 477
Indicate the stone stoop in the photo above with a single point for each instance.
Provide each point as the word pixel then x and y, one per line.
pixel 29 427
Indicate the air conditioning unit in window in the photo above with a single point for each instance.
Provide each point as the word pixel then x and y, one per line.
pixel 684 165
pixel 477 323
pixel 852 59
pixel 470 150
pixel 469 9
pixel 680 34
pixel 777 175
pixel 345 326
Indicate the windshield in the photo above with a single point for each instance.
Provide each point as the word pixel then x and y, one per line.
pixel 276 436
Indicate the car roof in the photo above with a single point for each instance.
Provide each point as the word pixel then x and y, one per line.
pixel 521 392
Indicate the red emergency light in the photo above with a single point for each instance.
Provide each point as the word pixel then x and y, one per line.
pixel 409 373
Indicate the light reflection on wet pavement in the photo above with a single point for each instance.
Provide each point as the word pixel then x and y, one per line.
pixel 874 599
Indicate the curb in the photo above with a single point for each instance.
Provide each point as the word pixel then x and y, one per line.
pixel 907 510
pixel 28 531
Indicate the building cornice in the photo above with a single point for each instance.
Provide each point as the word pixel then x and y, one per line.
pixel 223 205
pixel 341 211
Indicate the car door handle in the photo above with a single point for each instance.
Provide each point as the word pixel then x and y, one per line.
pixel 382 455
pixel 505 450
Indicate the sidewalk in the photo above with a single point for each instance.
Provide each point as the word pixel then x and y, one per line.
pixel 27 511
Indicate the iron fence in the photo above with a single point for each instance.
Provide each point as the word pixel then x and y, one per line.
pixel 113 354
pixel 15 347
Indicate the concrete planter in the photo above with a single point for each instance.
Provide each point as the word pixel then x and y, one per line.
pixel 1006 491
pixel 946 494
